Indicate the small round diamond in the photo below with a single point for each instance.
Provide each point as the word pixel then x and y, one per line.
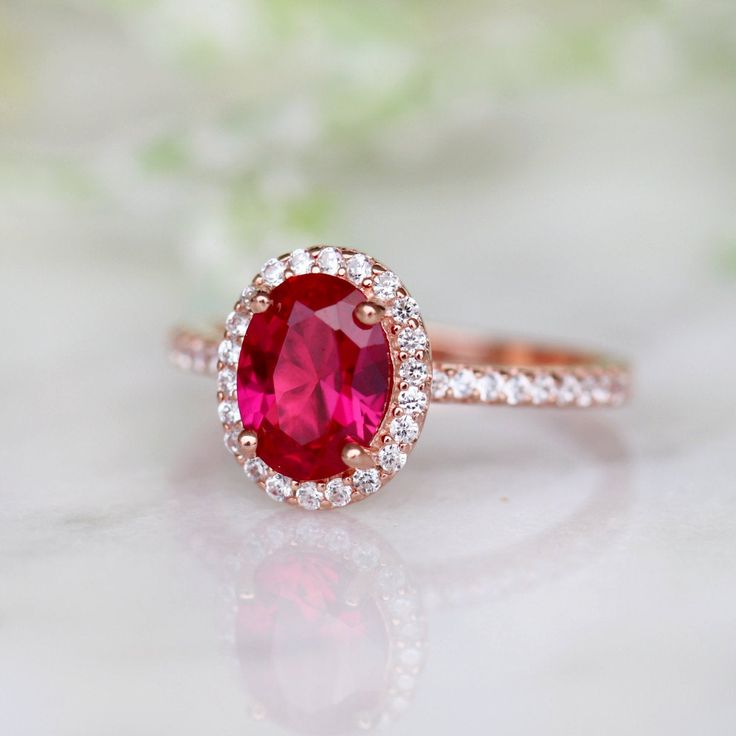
pixel 246 295
pixel 359 268
pixel 569 390
pixel 413 401
pixel 273 272
pixel 300 262
pixel 405 309
pixel 404 429
pixel 338 492
pixel 517 389
pixel 385 286
pixel 391 459
pixel 490 386
pixel 255 469
pixel 412 340
pixel 228 412
pixel 602 390
pixel 228 352
pixel 463 384
pixel 237 324
pixel 367 481
pixel 309 496
pixel 543 388
pixel 414 372
pixel 587 385
pixel 278 487
pixel 227 381
pixel 329 261
pixel 231 442
pixel 440 384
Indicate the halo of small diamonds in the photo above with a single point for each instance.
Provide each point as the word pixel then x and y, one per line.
pixel 410 352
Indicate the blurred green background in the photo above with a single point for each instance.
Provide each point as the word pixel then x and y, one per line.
pixel 237 129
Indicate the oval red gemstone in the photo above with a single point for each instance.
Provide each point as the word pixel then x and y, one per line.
pixel 311 378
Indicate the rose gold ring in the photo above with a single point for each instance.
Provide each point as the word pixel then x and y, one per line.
pixel 326 372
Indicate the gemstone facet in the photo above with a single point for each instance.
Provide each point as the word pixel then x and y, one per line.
pixel 311 378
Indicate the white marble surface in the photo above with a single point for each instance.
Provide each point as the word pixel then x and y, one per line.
pixel 569 574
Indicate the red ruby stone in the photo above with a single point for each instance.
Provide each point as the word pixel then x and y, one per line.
pixel 311 378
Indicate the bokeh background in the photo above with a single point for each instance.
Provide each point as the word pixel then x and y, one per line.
pixel 560 168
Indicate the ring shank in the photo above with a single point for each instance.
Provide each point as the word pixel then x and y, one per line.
pixel 469 368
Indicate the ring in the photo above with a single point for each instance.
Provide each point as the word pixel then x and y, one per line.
pixel 326 372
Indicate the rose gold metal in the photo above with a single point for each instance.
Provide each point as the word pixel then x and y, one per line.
pixel 260 303
pixel 369 313
pixel 248 441
pixel 355 456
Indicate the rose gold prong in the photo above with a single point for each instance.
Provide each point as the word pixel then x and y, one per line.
pixel 248 441
pixel 369 313
pixel 355 456
pixel 260 302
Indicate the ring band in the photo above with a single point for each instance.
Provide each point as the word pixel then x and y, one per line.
pixel 471 369
pixel 326 372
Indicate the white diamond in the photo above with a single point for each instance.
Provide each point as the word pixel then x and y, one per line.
pixel 440 384
pixel 413 401
pixel 385 286
pixel 237 324
pixel 405 309
pixel 227 381
pixel 602 390
pixel 463 384
pixel 329 261
pixel 309 496
pixel 367 481
pixel 414 372
pixel 278 487
pixel 412 340
pixel 228 412
pixel 404 429
pixel 569 390
pixel 543 388
pixel 517 389
pixel 587 385
pixel 231 442
pixel 255 469
pixel 359 268
pixel 228 352
pixel 300 262
pixel 246 295
pixel 490 386
pixel 338 493
pixel 391 459
pixel 273 272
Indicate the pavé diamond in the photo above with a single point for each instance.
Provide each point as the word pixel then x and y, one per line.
pixel 338 492
pixel 463 384
pixel 405 309
pixel 231 442
pixel 404 429
pixel 226 381
pixel 329 261
pixel 278 487
pixel 543 388
pixel 517 389
pixel 367 481
pixel 385 286
pixel 569 390
pixel 236 324
pixel 255 469
pixel 414 372
pixel 309 496
pixel 391 459
pixel 440 384
pixel 228 412
pixel 228 352
pixel 273 272
pixel 359 268
pixel 413 400
pixel 300 262
pixel 412 340
pixel 490 386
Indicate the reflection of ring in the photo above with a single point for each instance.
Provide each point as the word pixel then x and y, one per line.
pixel 325 374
